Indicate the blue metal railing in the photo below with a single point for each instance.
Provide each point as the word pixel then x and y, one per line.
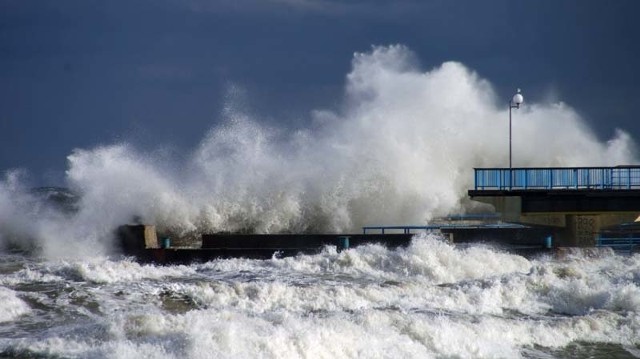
pixel 591 178
pixel 404 229
pixel 411 229
pixel 619 244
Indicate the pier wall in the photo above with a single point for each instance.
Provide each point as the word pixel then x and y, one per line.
pixel 142 241
pixel 135 238
pixel 573 223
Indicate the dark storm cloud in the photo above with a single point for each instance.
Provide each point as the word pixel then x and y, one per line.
pixel 79 73
pixel 317 7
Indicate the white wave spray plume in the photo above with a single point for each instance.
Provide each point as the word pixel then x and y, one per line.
pixel 401 150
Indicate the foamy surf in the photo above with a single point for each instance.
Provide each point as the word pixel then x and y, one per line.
pixel 428 300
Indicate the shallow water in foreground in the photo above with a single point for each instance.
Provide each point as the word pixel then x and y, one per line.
pixel 428 300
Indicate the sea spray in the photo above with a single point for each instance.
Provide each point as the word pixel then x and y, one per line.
pixel 400 150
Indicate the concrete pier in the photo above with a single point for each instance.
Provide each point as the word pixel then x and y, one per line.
pixel 142 242
pixel 576 203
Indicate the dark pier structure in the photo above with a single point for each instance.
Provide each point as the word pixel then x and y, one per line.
pixel 535 209
pixel 580 204
pixel 146 245
pixel 143 242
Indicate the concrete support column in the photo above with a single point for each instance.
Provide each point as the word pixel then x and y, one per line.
pixel 580 231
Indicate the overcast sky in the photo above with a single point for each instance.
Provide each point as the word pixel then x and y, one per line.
pixel 80 73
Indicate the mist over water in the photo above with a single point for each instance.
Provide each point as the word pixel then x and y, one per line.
pixel 400 150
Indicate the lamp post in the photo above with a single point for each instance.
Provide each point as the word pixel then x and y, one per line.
pixel 515 102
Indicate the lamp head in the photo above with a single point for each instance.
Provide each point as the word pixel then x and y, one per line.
pixel 517 99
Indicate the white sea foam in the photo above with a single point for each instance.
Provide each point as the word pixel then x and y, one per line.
pixel 11 307
pixel 102 270
pixel 428 300
pixel 466 319
pixel 30 275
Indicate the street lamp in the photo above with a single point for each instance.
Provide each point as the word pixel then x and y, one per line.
pixel 513 103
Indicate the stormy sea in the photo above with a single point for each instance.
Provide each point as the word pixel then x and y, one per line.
pixel 399 150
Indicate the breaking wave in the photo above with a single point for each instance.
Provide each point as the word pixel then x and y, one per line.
pixel 401 149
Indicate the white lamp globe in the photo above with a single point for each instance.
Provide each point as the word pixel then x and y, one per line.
pixel 517 98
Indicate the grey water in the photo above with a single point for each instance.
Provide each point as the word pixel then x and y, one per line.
pixel 429 300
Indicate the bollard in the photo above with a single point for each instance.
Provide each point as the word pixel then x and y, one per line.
pixel 166 242
pixel 548 242
pixel 343 243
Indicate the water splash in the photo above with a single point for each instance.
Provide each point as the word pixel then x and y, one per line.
pixel 401 149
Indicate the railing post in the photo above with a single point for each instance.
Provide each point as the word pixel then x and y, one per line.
pixel 475 175
pixel 504 176
pixel 512 178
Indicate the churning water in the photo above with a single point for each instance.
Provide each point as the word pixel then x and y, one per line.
pixel 400 150
pixel 428 300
